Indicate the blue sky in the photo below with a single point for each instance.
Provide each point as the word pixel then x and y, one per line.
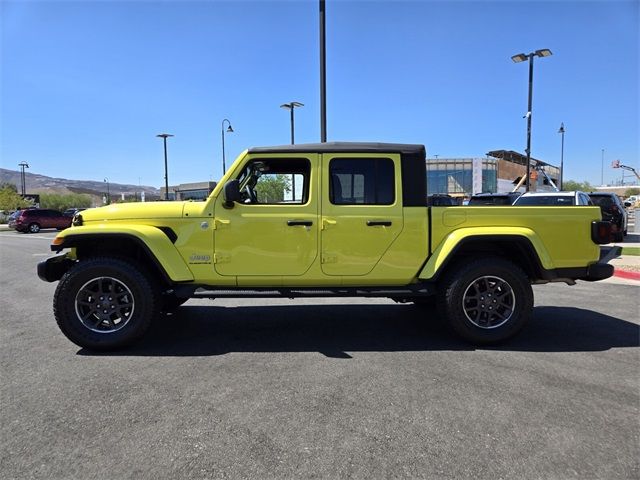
pixel 86 85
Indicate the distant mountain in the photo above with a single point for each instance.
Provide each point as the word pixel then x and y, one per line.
pixel 43 184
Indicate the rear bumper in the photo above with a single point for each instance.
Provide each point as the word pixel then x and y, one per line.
pixel 598 271
pixel 591 273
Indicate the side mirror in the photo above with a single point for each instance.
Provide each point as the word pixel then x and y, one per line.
pixel 231 193
pixel 627 204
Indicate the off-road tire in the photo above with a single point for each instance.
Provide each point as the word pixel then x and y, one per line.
pixel 491 317
pixel 125 287
pixel 33 228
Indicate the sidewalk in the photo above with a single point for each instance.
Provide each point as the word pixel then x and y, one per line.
pixel 626 266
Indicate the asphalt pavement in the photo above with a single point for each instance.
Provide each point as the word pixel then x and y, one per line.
pixel 319 389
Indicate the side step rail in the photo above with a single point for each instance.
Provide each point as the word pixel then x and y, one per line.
pixel 194 291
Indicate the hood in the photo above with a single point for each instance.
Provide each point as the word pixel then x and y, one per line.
pixel 130 211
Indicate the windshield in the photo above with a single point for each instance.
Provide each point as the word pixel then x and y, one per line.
pixel 602 200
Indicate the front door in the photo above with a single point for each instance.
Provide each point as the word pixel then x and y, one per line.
pixel 274 230
pixel 361 212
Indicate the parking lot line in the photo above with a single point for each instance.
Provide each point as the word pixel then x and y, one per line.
pixel 8 235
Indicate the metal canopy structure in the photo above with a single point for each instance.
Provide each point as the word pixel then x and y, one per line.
pixel 515 157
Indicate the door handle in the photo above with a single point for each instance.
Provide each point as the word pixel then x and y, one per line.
pixel 299 223
pixel 378 223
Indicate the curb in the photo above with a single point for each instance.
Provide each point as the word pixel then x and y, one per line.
pixel 626 274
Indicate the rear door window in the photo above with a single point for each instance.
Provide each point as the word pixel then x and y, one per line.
pixel 361 181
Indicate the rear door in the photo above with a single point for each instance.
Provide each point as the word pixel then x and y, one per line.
pixel 47 219
pixel 361 212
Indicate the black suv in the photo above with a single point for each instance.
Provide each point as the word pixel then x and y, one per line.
pixel 612 210
pixel 441 200
pixel 494 198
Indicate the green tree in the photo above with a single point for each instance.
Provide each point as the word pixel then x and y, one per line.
pixel 631 191
pixel 61 202
pixel 10 200
pixel 10 186
pixel 271 188
pixel 573 185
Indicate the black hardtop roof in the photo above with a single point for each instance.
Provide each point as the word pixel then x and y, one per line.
pixel 345 147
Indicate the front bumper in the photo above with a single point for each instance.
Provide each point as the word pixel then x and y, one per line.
pixel 52 269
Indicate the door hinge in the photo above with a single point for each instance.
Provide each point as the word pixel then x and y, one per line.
pixel 329 258
pixel 219 221
pixel 326 222
pixel 221 257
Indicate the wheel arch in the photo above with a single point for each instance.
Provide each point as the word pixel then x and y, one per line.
pixel 156 252
pixel 519 249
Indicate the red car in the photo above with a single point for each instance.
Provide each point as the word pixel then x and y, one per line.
pixel 34 219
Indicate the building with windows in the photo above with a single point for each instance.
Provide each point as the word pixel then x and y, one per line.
pixel 461 177
pixel 499 172
pixel 189 191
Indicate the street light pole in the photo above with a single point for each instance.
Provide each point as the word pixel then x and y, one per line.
pixel 230 130
pixel 23 165
pixel 108 202
pixel 164 137
pixel 291 107
pixel 323 76
pixel 561 131
pixel 521 57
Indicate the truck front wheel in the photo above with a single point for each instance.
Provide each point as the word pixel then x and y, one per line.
pixel 486 301
pixel 105 303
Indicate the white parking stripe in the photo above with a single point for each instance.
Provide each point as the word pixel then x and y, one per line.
pixel 26 236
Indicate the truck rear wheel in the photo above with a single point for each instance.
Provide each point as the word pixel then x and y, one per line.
pixel 105 303
pixel 486 301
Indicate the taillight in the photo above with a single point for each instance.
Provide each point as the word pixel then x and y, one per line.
pixel 601 232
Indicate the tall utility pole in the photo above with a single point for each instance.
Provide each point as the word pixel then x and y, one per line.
pixel 521 57
pixel 23 165
pixel 291 106
pixel 166 170
pixel 561 131
pixel 323 78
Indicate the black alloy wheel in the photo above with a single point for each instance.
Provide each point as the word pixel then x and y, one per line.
pixel 486 301
pixel 105 303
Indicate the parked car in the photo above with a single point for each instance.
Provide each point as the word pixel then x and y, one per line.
pixel 11 219
pixel 612 210
pixel 441 200
pixel 485 199
pixel 633 201
pixel 553 199
pixel 32 220
pixel 70 212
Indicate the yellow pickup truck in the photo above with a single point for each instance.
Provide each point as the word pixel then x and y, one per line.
pixel 330 219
